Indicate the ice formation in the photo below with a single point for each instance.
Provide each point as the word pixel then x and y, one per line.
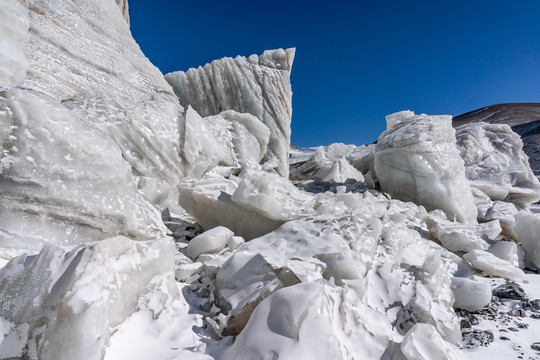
pixel 496 164
pixel 416 159
pixel 14 23
pixel 327 164
pixel 62 304
pixel 258 85
pixel 372 252
pixel 62 181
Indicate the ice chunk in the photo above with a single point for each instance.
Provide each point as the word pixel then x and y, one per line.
pixel 258 85
pixel 492 265
pixel 423 342
pixel 312 320
pixel 14 26
pixel 496 164
pixel 505 213
pixel 432 301
pixel 506 250
pixel 210 241
pixel 459 237
pixel 272 196
pixel 470 294
pixel 69 301
pixel 209 200
pixel 527 230
pixel 242 283
pixel 229 139
pixel 416 159
pixel 62 181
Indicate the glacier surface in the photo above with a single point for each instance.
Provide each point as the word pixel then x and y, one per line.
pixel 168 217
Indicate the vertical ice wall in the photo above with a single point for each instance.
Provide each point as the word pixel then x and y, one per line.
pixel 259 85
pixel 89 136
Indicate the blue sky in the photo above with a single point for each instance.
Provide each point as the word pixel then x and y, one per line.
pixel 357 61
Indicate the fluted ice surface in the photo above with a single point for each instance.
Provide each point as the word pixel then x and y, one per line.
pixel 258 85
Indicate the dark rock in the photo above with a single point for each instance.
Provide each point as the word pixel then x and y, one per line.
pixel 535 304
pixel 510 290
pixel 475 338
pixel 536 346
pixel 465 324
pixel 517 312
pixel 504 338
pixel 165 215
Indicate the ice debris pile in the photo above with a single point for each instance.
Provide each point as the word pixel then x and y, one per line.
pixel 149 216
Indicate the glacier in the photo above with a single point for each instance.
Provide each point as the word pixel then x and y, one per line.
pixel 169 216
pixel 258 85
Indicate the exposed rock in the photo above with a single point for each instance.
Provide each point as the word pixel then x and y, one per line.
pixel 510 290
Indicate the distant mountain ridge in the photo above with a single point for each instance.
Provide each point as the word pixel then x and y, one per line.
pixel 524 118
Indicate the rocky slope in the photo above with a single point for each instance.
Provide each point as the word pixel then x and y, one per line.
pixel 140 220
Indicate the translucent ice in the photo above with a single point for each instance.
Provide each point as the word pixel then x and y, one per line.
pixel 492 265
pixel 327 163
pixel 471 294
pixel 528 234
pixel 230 139
pixel 92 63
pixel 496 164
pixel 63 304
pixel 61 180
pixel 416 159
pixel 258 85
pixel 423 342
pixel 14 26
pixel 209 241
pixel 459 237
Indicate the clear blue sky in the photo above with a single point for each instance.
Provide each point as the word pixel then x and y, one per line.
pixel 357 61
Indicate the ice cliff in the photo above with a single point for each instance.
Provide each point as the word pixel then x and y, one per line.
pixel 149 216
pixel 258 85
